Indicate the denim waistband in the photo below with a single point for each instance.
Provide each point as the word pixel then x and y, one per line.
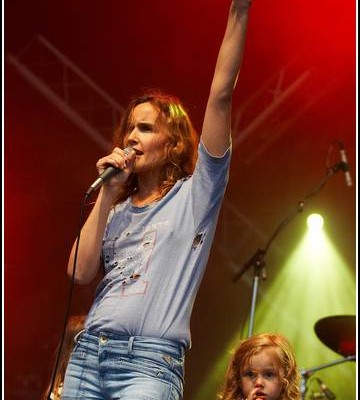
pixel 135 342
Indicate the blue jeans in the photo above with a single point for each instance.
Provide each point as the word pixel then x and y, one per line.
pixel 106 366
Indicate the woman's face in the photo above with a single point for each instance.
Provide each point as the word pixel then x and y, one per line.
pixel 149 137
pixel 261 377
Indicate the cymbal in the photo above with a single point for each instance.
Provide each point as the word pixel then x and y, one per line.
pixel 338 333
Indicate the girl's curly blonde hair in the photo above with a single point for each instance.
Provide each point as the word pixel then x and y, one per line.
pixel 254 345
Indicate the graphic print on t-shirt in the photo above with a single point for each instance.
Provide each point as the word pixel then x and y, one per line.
pixel 134 271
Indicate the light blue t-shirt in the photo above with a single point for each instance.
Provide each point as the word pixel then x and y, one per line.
pixel 155 256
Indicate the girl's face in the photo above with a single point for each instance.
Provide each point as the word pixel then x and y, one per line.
pixel 149 138
pixel 261 377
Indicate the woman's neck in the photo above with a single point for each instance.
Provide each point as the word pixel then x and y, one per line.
pixel 147 193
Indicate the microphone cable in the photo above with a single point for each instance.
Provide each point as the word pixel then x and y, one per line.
pixel 68 307
pixel 110 171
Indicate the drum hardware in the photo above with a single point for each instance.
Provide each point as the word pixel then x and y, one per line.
pixel 339 334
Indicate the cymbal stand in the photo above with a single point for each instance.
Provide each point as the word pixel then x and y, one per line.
pixel 257 260
pixel 306 373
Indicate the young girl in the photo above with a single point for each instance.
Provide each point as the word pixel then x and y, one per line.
pixel 262 367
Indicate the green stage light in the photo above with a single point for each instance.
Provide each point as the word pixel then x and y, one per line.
pixel 315 222
pixel 313 282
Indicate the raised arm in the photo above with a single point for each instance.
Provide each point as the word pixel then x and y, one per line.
pixel 216 132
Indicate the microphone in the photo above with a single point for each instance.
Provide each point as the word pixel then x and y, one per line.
pixel 108 173
pixel 327 392
pixel 345 164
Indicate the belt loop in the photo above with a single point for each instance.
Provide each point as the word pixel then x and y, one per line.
pixel 182 351
pixel 77 336
pixel 130 344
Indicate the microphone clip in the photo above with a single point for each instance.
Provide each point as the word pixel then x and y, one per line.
pixel 340 166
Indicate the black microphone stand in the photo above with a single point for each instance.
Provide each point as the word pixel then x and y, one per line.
pixel 257 260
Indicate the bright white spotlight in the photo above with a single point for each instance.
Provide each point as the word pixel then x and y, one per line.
pixel 315 222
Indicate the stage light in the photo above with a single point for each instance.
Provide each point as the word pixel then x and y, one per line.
pixel 315 222
pixel 313 282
